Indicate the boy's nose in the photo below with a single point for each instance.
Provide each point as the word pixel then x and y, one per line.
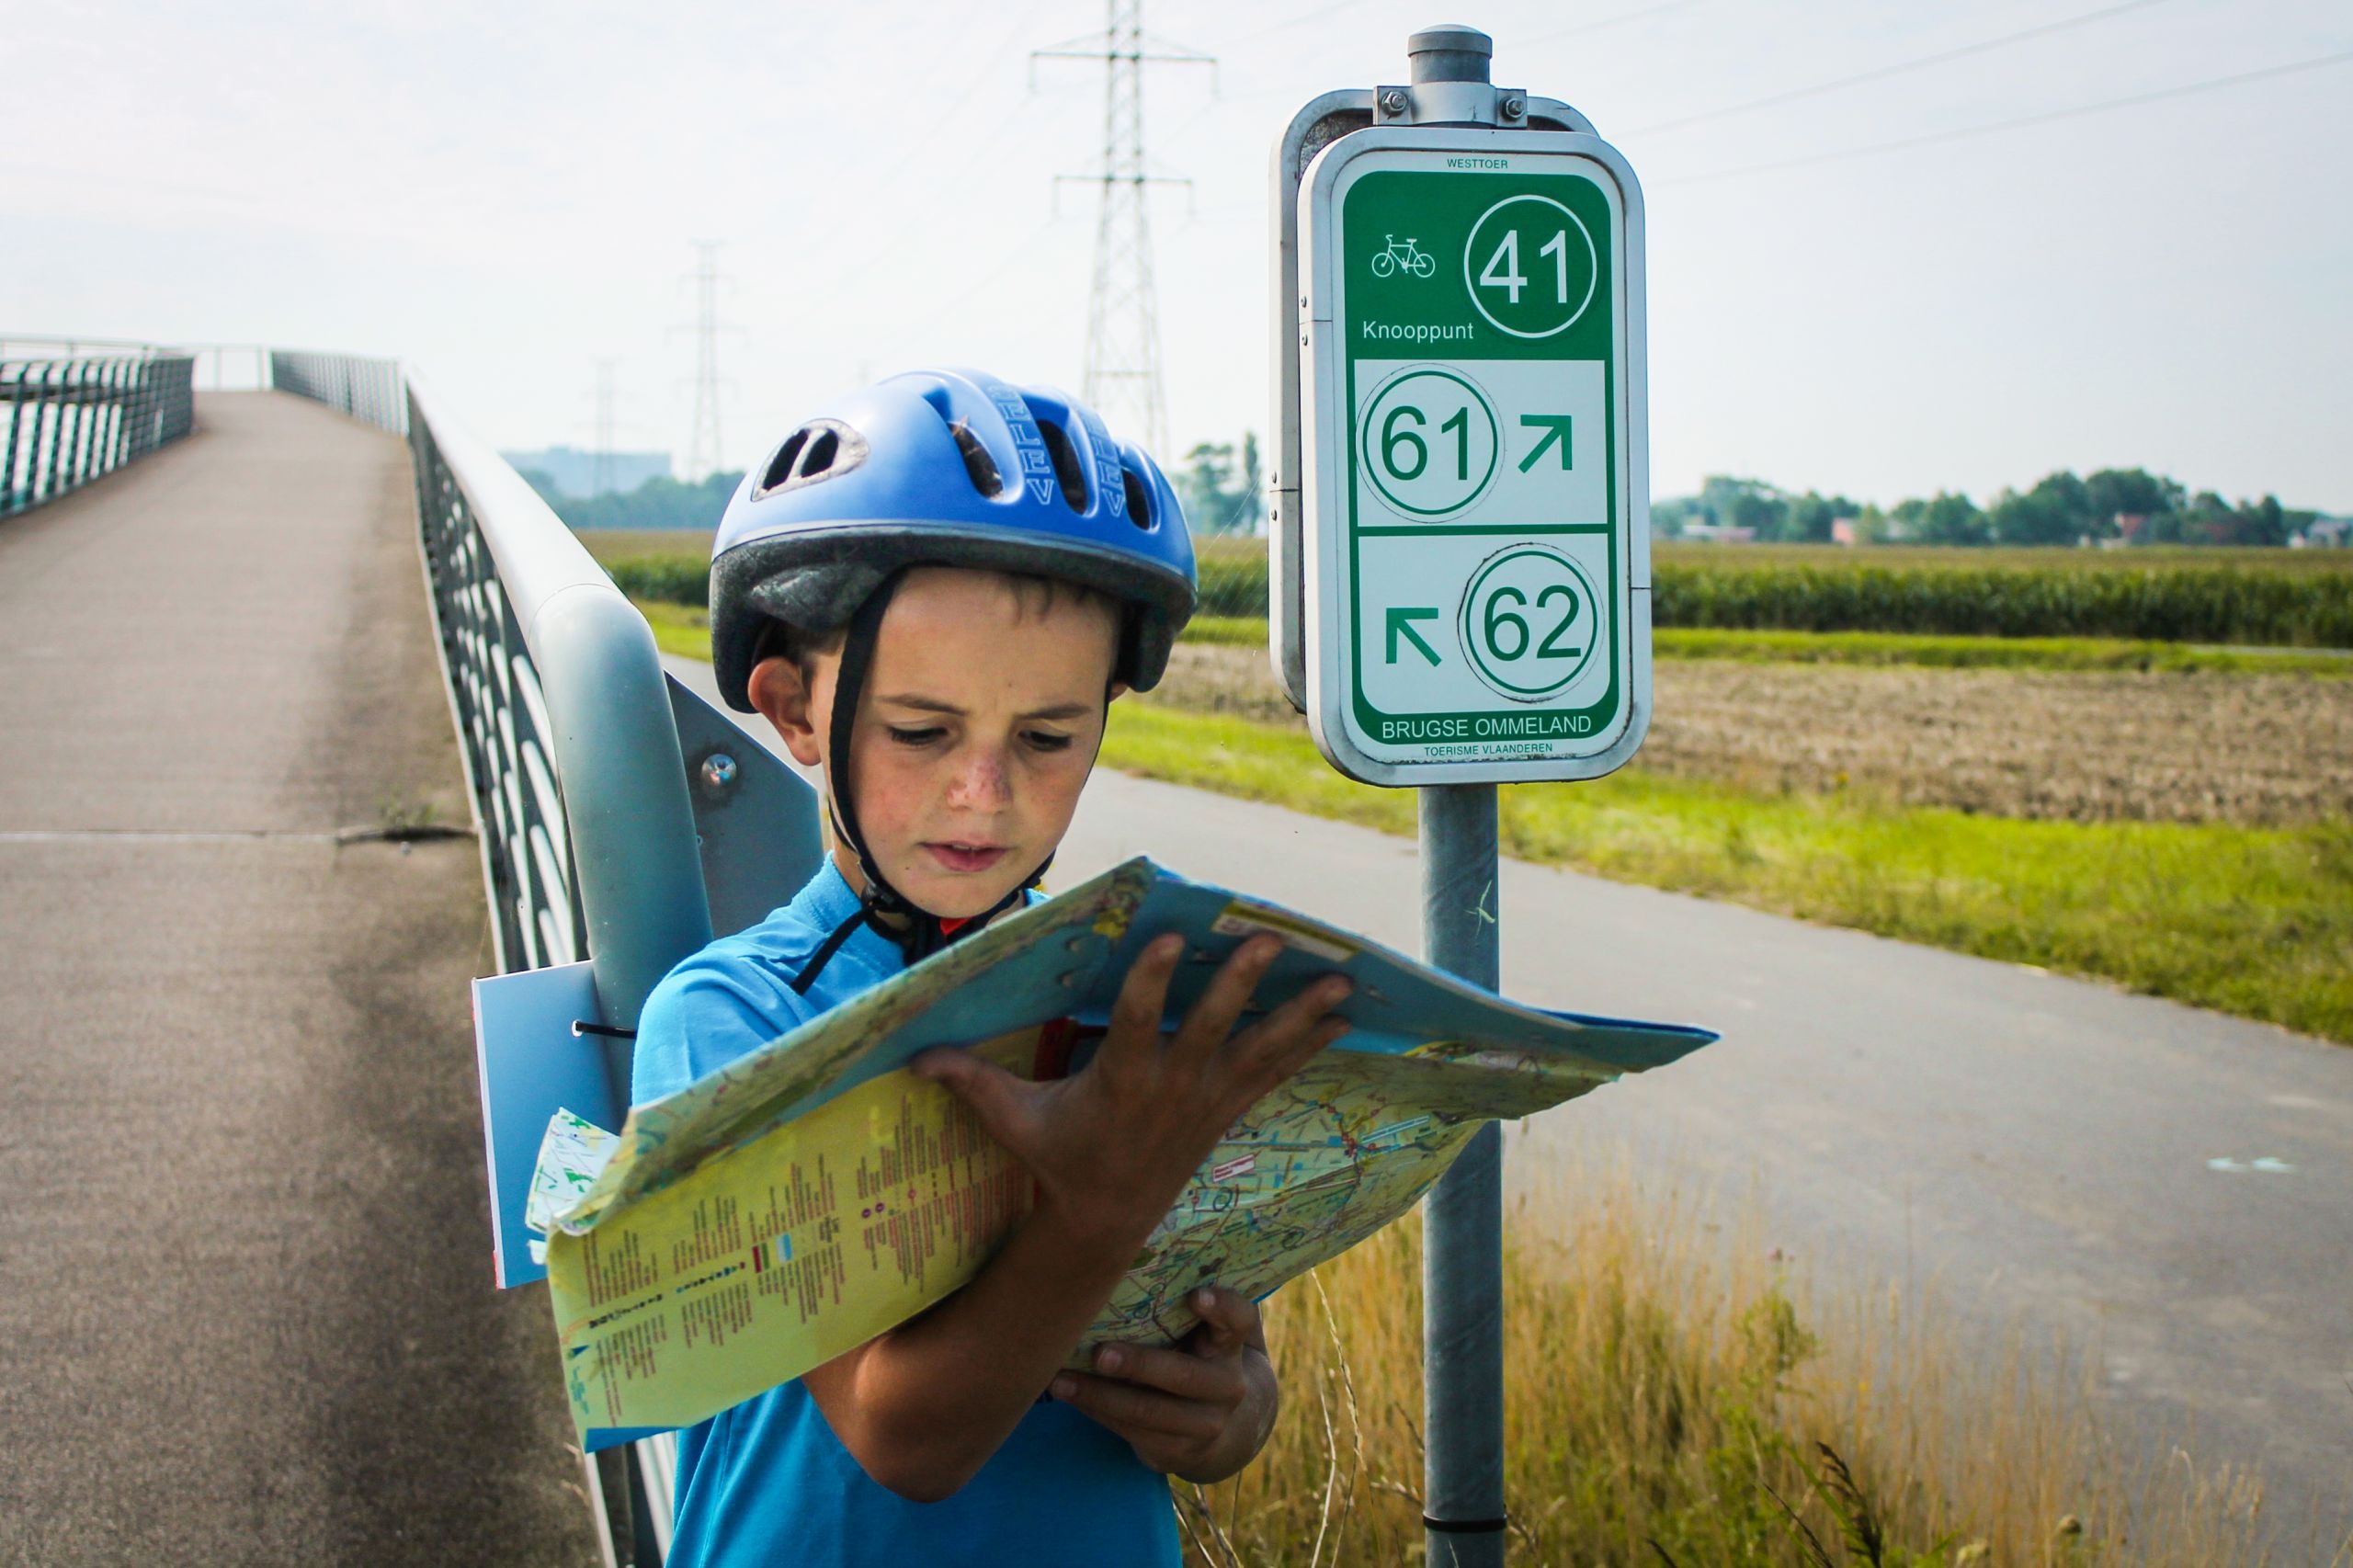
pixel 981 782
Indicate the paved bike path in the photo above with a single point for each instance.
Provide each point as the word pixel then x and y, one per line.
pixel 245 1309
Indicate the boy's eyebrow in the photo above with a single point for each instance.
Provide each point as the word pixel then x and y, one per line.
pixel 934 705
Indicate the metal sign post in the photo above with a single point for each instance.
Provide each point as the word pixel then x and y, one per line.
pixel 1460 561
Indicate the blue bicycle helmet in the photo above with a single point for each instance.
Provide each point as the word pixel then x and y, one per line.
pixel 950 467
pixel 945 468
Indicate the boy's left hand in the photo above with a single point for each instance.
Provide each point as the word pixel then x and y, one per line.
pixel 1199 1410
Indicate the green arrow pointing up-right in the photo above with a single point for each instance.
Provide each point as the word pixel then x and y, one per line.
pixel 1402 621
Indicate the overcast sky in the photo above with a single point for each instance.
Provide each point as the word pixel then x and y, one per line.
pixel 503 194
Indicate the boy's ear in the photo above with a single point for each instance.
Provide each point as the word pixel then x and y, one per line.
pixel 784 699
pixel 1119 688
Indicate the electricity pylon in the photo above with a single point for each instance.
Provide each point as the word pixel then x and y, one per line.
pixel 1122 317
pixel 704 452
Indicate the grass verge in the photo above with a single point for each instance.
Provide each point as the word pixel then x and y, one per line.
pixel 1678 1396
pixel 681 629
pixel 2249 921
pixel 1227 631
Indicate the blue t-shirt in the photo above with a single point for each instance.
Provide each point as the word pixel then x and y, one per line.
pixel 767 1481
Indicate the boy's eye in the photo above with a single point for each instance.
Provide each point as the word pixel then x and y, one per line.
pixel 922 736
pixel 1042 740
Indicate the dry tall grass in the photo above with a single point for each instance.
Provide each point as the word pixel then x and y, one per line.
pixel 1674 1397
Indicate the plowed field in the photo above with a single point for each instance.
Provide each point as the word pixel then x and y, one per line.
pixel 2091 747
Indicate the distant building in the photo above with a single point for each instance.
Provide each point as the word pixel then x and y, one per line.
pixel 1842 530
pixel 2326 533
pixel 1717 533
pixel 574 472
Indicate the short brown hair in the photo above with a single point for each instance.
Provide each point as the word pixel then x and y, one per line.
pixel 1030 591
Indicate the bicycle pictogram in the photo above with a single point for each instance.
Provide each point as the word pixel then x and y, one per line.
pixel 1410 257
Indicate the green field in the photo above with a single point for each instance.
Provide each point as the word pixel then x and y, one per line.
pixel 682 630
pixel 609 545
pixel 1882 648
pixel 2251 921
pixel 2146 558
pixel 2300 598
pixel 613 544
pixel 2184 600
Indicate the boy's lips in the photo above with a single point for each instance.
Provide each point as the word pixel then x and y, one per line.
pixel 965 857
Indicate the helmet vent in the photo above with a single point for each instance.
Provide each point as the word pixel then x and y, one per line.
pixel 1072 477
pixel 779 467
pixel 1138 499
pixel 977 462
pixel 822 449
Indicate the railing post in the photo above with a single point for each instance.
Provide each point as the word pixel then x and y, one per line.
pixel 46 476
pixel 16 443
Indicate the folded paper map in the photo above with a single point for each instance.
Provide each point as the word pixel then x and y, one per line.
pixel 812 1195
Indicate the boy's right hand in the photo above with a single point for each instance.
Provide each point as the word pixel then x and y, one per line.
pixel 1111 1147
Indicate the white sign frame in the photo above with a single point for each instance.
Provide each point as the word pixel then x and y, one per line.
pixel 1329 430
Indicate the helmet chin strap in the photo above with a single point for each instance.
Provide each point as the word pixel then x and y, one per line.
pixel 918 931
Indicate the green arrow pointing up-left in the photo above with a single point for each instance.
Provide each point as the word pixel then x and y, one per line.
pixel 1402 621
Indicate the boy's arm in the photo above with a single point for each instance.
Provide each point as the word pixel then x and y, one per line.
pixel 923 1407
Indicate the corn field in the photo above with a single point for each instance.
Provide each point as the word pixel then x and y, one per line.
pixel 2290 598
pixel 2160 603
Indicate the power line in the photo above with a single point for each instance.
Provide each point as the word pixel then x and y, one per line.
pixel 1592 26
pixel 979 78
pixel 1880 72
pixel 1598 23
pixel 1300 20
pixel 1018 251
pixel 893 239
pixel 2211 84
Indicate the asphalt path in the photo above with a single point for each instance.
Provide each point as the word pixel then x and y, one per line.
pixel 245 1306
pixel 2167 1190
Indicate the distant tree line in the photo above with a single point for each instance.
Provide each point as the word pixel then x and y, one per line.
pixel 1222 488
pixel 2063 509
pixel 1220 485
pixel 659 503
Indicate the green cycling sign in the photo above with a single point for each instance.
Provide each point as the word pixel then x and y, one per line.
pixel 1477 571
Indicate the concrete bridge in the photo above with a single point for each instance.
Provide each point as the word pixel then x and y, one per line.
pixel 244 1303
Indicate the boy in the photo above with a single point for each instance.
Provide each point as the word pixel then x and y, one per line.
pixel 935 593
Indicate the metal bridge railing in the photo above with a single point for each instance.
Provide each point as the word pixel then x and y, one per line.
pixel 220 366
pixel 64 422
pixel 365 388
pixel 619 817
